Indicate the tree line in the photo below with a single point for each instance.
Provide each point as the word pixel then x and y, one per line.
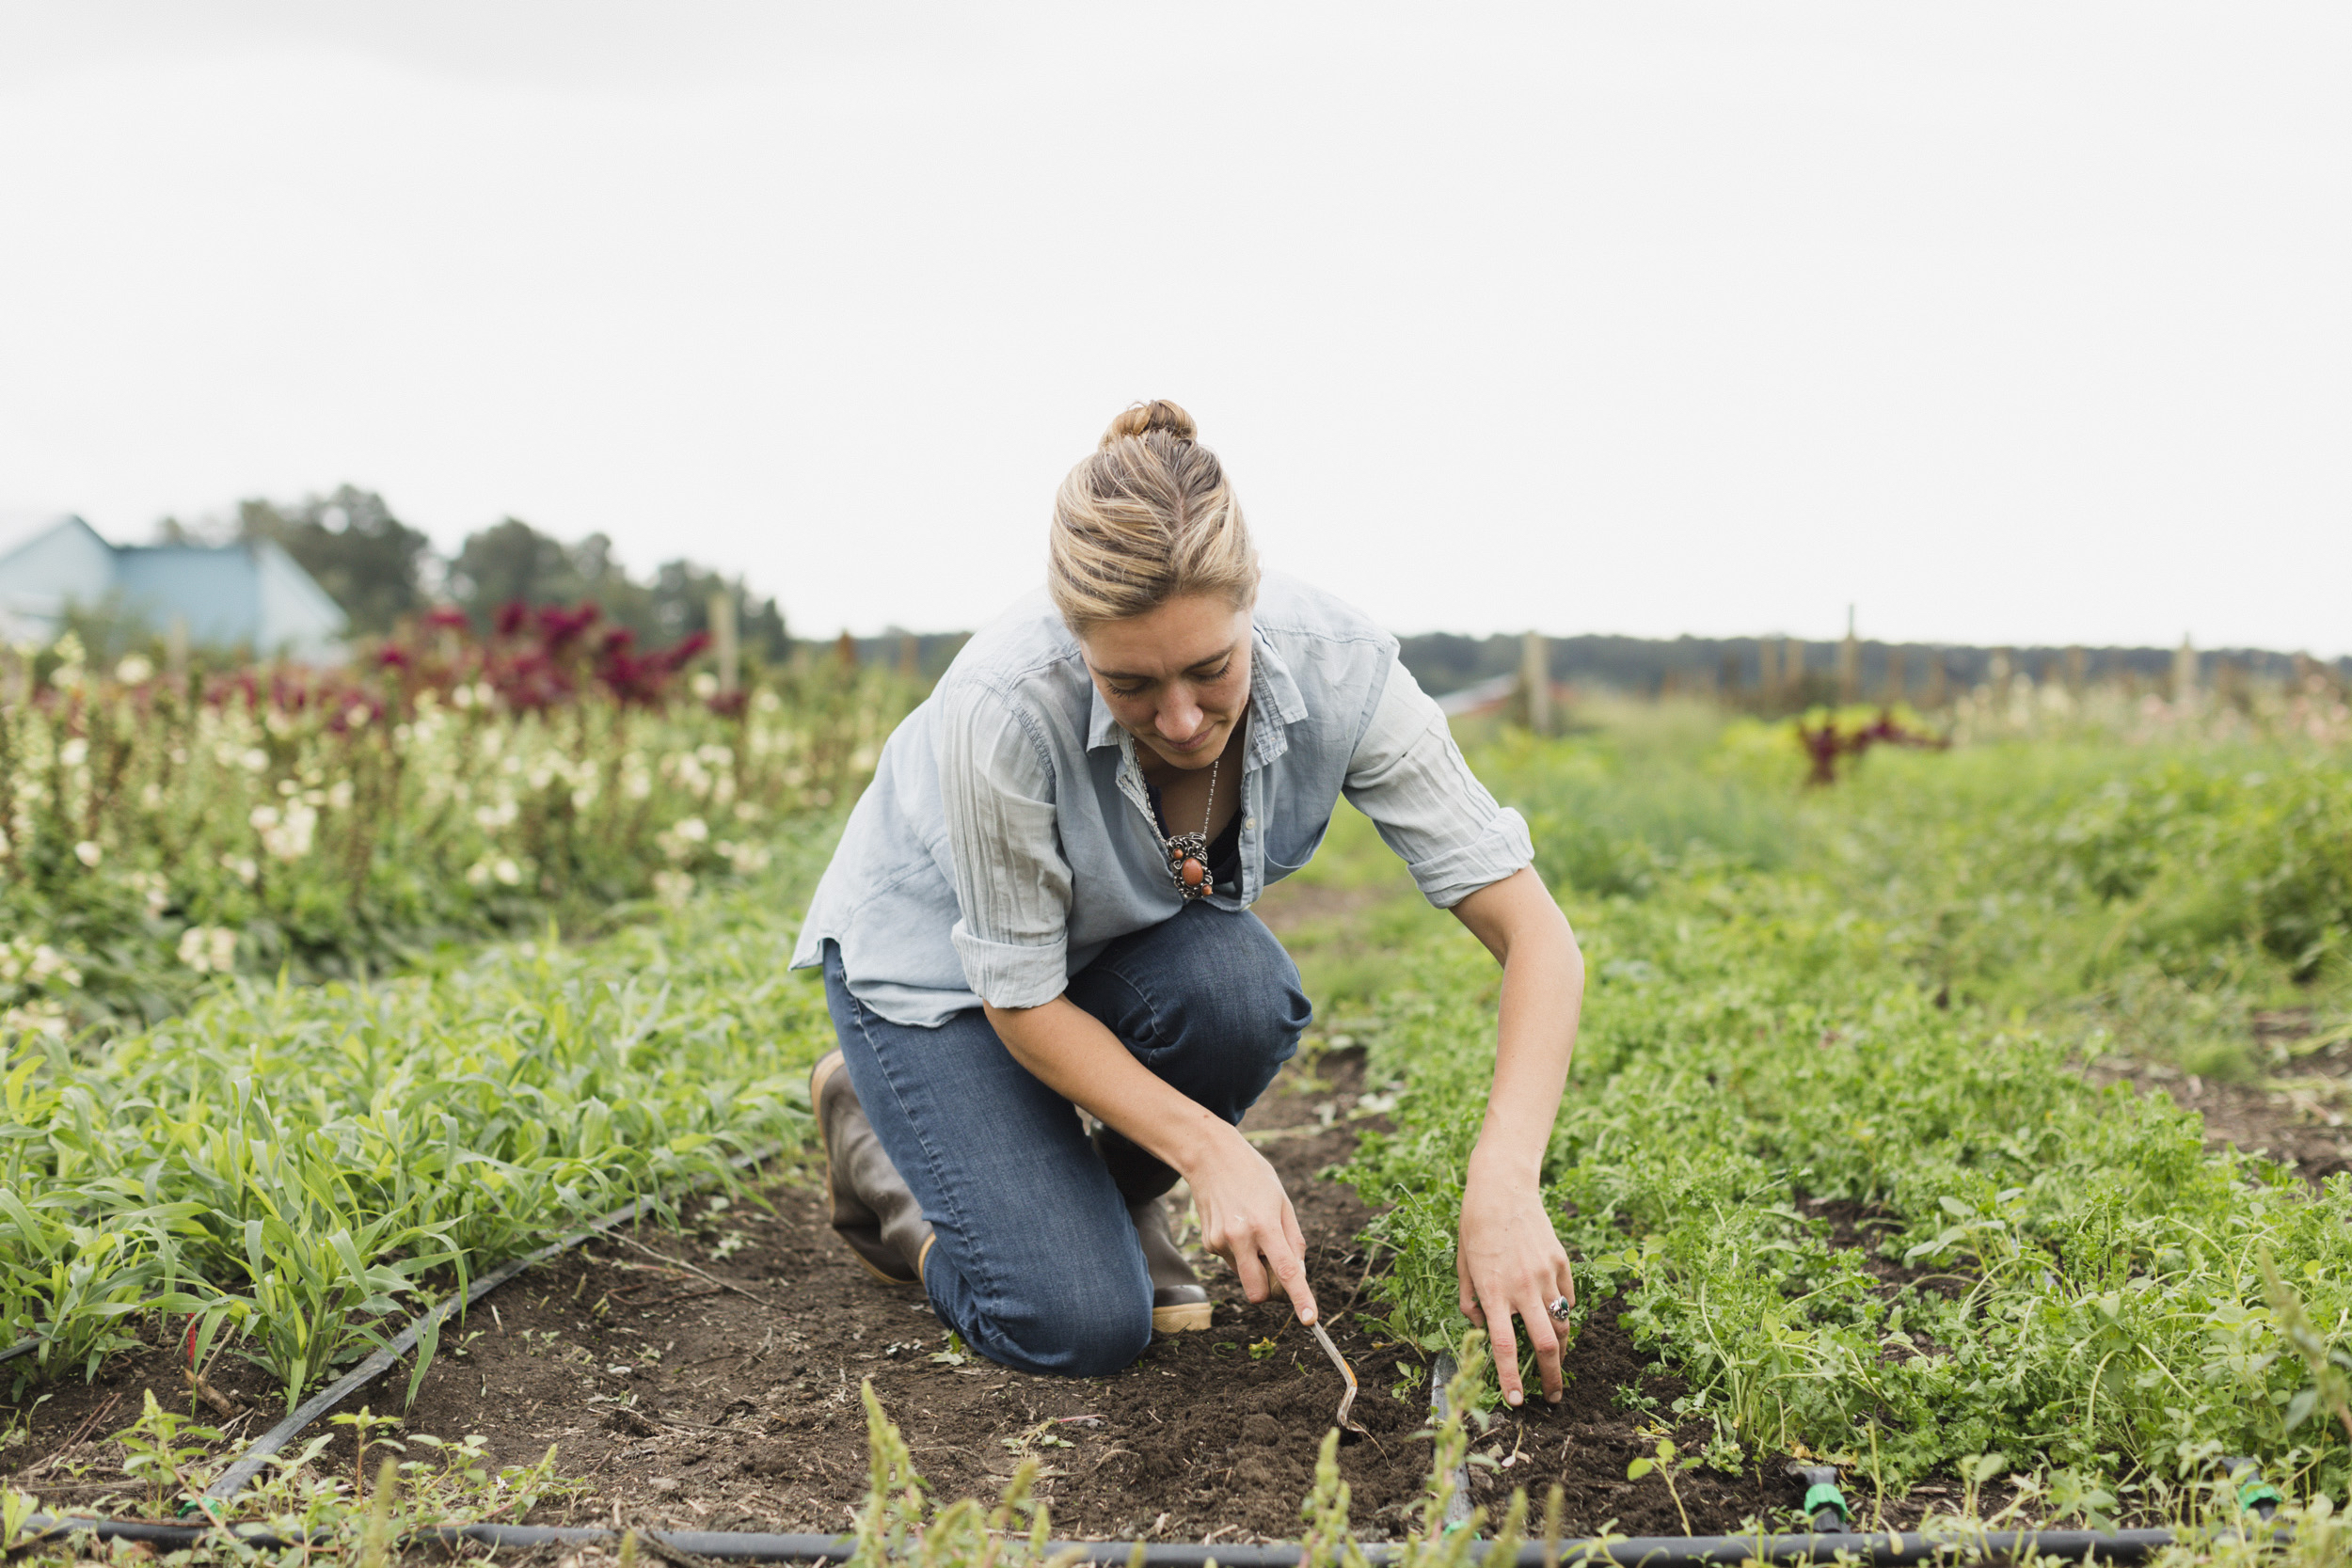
pixel 380 570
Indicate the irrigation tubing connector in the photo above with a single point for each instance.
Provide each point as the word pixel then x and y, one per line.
pixel 1825 1507
pixel 1657 1551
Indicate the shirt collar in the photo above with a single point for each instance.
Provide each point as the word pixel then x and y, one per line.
pixel 1273 693
pixel 1101 729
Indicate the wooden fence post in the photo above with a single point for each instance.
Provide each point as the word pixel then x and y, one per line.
pixel 725 646
pixel 1849 663
pixel 1535 680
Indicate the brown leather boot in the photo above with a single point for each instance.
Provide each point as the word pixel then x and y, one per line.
pixel 872 1209
pixel 1178 1301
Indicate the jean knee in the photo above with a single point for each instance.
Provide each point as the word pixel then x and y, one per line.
pixel 1087 1331
pixel 1259 1009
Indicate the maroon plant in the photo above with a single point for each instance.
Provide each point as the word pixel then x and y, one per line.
pixel 1823 744
pixel 534 659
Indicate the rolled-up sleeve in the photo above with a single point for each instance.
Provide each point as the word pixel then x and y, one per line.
pixel 1012 886
pixel 1410 777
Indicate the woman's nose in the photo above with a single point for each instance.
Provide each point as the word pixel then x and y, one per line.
pixel 1180 719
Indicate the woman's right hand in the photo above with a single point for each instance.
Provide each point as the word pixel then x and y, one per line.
pixel 1247 1219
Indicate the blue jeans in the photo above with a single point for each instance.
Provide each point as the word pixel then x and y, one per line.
pixel 1036 1264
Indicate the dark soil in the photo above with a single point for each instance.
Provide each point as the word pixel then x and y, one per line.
pixel 2297 1118
pixel 727 1412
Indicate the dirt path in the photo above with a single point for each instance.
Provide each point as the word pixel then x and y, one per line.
pixel 2297 1116
pixel 683 1404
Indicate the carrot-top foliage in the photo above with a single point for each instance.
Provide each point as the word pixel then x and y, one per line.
pixel 1829 1148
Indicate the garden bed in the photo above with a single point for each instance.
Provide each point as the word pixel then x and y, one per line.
pixel 673 1400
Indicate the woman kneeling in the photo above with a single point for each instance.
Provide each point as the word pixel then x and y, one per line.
pixel 1052 998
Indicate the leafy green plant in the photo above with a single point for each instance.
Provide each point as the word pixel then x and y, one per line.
pixel 15 1509
pixel 1666 1461
pixel 294 1162
pixel 162 1449
pixel 2330 1388
pixel 364 1424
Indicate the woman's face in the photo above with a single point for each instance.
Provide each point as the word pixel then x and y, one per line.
pixel 1177 678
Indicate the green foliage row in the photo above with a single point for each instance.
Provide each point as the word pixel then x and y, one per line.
pixel 1827 1024
pixel 2020 875
pixel 297 1163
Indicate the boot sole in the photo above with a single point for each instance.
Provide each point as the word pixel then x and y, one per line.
pixel 818 1076
pixel 1192 1315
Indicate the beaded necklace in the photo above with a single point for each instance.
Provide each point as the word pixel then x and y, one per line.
pixel 1189 853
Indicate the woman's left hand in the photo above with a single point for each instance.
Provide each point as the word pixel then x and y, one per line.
pixel 1511 1261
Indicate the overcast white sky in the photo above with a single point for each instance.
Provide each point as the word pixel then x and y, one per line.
pixel 2007 323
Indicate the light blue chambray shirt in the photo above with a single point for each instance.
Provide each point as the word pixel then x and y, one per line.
pixel 1008 837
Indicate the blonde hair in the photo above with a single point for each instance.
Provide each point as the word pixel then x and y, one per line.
pixel 1150 518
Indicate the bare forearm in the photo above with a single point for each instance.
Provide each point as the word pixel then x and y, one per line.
pixel 1510 1262
pixel 1543 996
pixel 1074 1055
pixel 1245 1217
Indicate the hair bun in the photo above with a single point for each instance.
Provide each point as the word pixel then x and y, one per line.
pixel 1142 418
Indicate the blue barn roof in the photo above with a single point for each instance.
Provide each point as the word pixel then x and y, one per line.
pixel 252 596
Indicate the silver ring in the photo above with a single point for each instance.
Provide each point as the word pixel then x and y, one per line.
pixel 1559 1310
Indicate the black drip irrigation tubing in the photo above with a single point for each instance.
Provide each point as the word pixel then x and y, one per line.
pixel 1885 1547
pixel 1656 1551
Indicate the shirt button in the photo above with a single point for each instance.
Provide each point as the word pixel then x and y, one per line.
pixel 1250 822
